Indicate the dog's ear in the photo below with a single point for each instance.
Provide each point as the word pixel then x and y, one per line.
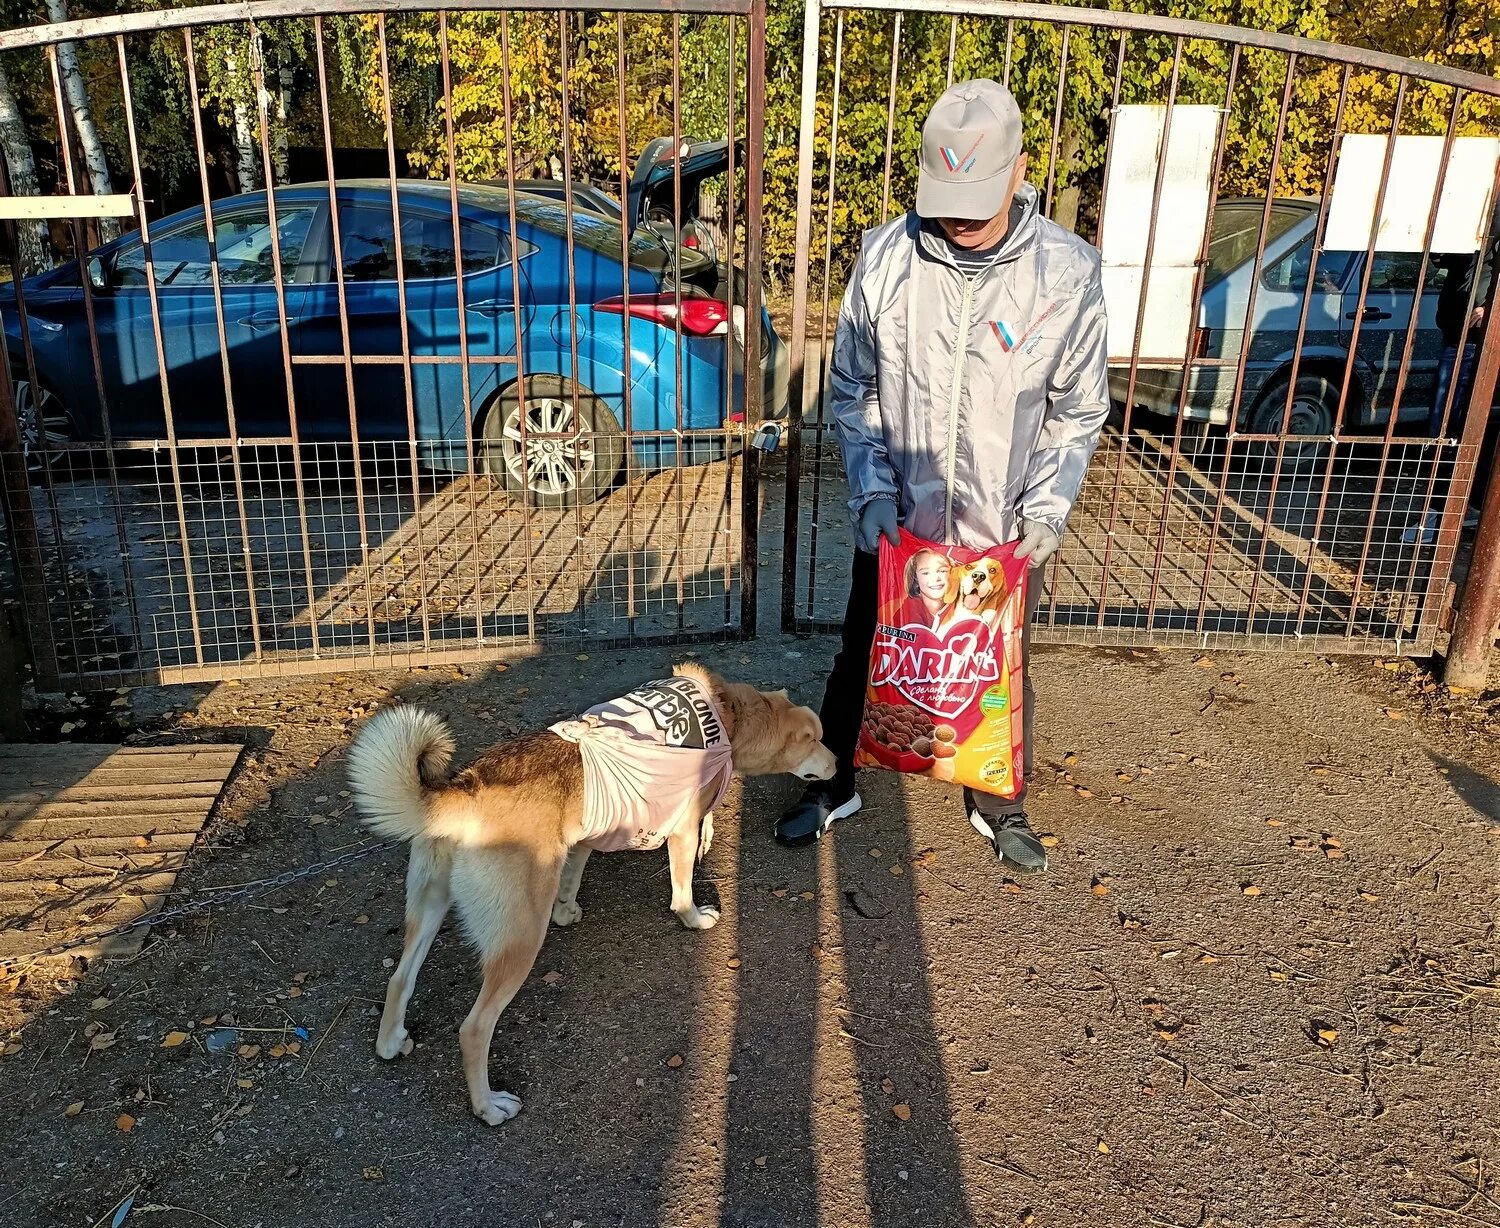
pixel 955 577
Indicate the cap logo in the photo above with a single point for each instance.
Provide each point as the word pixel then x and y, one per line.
pixel 962 164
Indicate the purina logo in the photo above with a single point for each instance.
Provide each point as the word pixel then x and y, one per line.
pixel 962 164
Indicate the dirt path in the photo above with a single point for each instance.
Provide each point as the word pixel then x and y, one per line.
pixel 1257 988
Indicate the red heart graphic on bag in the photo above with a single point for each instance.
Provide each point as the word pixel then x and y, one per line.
pixel 942 673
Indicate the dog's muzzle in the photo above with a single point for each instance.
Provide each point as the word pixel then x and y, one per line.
pixel 820 765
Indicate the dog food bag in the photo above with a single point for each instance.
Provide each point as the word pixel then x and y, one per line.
pixel 944 696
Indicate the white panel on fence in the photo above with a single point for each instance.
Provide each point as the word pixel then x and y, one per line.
pixel 1463 212
pixel 1182 216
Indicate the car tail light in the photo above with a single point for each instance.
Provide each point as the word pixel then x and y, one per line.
pixel 690 240
pixel 699 317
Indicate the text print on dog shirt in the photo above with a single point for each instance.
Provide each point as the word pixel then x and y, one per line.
pixel 647 759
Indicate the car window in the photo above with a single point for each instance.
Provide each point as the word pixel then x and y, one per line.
pixel 1399 272
pixel 1236 234
pixel 1289 274
pixel 181 257
pixel 426 244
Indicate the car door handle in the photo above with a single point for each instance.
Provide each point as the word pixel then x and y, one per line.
pixel 492 307
pixel 1371 313
pixel 259 324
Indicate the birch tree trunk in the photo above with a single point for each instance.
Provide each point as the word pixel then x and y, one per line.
pixel 246 160
pixel 34 248
pixel 77 91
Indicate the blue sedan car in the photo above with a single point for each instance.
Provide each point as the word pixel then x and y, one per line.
pixel 683 372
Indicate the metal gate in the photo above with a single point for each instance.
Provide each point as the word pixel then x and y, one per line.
pixel 396 415
pixel 1325 511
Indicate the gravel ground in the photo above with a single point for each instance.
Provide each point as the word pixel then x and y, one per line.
pixel 1258 986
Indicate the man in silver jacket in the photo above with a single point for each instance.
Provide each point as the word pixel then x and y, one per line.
pixel 968 389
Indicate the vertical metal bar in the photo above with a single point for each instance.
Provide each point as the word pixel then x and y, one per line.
pixel 1010 39
pixel 825 356
pixel 1364 286
pixel 727 510
pixel 20 516
pixel 890 120
pixel 681 436
pixel 515 285
pixel 1197 305
pixel 798 394
pixel 466 378
pixel 1062 85
pixel 952 46
pixel 629 423
pixel 1121 43
pixel 1232 430
pixel 755 91
pixel 576 433
pixel 406 372
pixel 258 65
pixel 1319 231
pixel 121 535
pixel 156 324
pixel 1411 333
pixel 1447 537
pixel 1135 348
pixel 346 345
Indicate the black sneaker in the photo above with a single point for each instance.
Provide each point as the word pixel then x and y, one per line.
pixel 820 807
pixel 1015 843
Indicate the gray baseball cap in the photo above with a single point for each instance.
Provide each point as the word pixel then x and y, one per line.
pixel 970 144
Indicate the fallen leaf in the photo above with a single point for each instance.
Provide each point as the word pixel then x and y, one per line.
pixel 1082 792
pixel 102 1040
pixel 1328 1036
pixel 674 1061
pixel 172 1039
pixel 1100 889
pixel 873 852
pixel 294 1047
pixel 582 656
pixel 209 1020
pixel 734 963
pixel 887 1086
pixel 1250 889
pixel 1369 897
pixel 1050 842
pixel 1398 1028
pixel 98 1004
pixel 807 895
pixel 278 1050
pixel 1395 714
pixel 1071 759
pixel 779 893
pixel 1278 975
pixel 374 1173
pixel 143 842
pixel 1275 823
pixel 551 978
pixel 249 1052
pixel 760 1161
pixel 1332 842
pixel 362 919
pixel 897 871
pixel 73 1109
pixel 1168 1031
pixel 1012 888
pixel 1103 1148
pixel 1124 778
pixel 1334 854
pixel 244 1084
pixel 1204 662
pixel 902 1112
pixel 125 1123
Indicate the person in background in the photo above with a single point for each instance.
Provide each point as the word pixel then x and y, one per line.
pixel 969 386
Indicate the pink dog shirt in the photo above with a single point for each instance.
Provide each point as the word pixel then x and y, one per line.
pixel 647 757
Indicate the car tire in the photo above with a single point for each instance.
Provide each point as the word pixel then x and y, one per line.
pixel 1315 407
pixel 38 417
pixel 558 472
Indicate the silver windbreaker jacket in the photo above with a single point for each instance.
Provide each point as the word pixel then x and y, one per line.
pixel 972 401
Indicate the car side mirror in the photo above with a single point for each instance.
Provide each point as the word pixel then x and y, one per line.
pixel 98 274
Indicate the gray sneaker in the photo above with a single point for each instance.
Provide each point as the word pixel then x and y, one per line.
pixel 1015 843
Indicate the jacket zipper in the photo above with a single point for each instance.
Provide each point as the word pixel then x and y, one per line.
pixel 958 373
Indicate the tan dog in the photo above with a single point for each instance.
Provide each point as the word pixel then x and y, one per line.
pixel 977 591
pixel 501 839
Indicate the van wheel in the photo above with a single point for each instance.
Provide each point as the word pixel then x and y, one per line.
pixel 1314 412
pixel 573 446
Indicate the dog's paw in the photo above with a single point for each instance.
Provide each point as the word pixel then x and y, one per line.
pixel 567 912
pixel 396 1043
pixel 704 918
pixel 499 1108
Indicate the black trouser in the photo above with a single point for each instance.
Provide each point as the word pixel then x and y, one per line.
pixel 844 700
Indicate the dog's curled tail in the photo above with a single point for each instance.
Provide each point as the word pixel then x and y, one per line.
pixel 399 755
